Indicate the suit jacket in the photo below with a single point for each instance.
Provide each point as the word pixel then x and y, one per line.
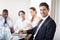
pixel 46 31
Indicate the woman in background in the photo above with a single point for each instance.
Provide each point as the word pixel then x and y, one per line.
pixel 34 20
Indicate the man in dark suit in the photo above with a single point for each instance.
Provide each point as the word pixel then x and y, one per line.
pixel 47 29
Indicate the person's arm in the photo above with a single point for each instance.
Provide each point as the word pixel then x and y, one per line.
pixel 10 24
pixel 25 31
pixel 16 27
pixel 28 37
pixel 50 31
pixel 30 31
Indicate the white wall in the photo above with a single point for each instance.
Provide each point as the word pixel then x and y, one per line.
pixel 14 6
pixel 57 19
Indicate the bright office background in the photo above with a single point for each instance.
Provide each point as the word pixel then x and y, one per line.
pixel 14 6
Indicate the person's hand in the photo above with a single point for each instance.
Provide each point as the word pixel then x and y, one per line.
pixel 28 37
pixel 22 31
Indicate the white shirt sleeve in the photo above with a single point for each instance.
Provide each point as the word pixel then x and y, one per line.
pixel 16 27
pixel 10 22
pixel 1 21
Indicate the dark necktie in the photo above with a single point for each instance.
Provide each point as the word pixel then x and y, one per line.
pixel 5 21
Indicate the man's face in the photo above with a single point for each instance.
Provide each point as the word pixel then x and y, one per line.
pixel 5 15
pixel 32 12
pixel 22 15
pixel 44 11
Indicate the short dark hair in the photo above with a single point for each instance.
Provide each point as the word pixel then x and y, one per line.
pixel 5 10
pixel 44 4
pixel 22 12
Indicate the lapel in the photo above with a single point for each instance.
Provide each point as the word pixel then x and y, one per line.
pixel 37 26
pixel 48 18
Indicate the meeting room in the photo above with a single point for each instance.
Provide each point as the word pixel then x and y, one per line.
pixel 29 20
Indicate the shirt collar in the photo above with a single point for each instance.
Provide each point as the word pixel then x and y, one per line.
pixel 45 17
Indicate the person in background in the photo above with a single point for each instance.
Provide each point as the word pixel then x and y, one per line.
pixel 34 20
pixel 5 20
pixel 21 23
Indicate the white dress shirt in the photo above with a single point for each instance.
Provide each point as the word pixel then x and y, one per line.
pixel 44 18
pixel 34 23
pixel 21 25
pixel 9 21
pixel 5 33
